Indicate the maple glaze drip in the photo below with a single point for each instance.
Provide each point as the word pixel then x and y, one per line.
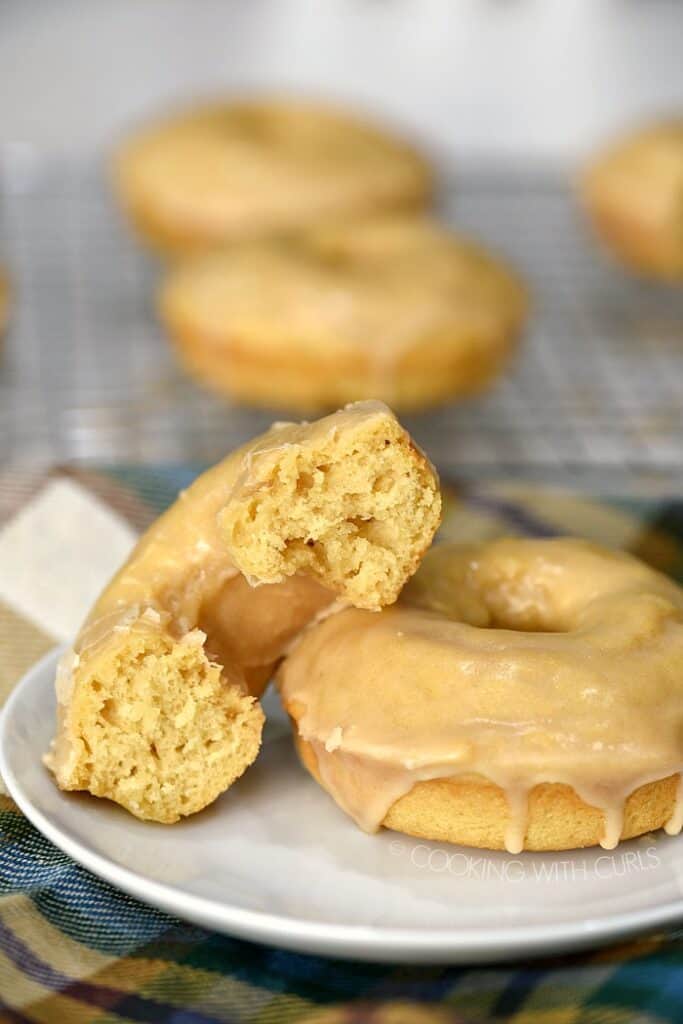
pixel 614 823
pixel 518 803
pixel 517 662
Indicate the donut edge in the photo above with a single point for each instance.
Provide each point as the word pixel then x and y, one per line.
pixel 475 813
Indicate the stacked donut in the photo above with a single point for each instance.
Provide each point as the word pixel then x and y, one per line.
pixel 524 694
pixel 316 276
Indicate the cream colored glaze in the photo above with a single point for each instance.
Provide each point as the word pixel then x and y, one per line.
pixel 521 661
pixel 180 576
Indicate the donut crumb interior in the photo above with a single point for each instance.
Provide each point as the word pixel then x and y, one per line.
pixel 356 509
pixel 156 727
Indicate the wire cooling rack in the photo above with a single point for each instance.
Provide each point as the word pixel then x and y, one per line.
pixel 86 373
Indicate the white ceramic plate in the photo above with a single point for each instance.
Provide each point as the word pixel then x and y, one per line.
pixel 274 860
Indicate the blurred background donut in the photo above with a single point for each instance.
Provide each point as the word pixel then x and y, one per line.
pixel 233 171
pixel 634 194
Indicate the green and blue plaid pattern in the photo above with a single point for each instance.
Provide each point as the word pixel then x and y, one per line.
pixel 75 951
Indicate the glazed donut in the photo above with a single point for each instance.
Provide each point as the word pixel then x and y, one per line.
pixel 523 694
pixel 393 307
pixel 634 195
pixel 228 172
pixel 157 704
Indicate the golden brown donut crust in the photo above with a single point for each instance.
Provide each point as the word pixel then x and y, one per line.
pixel 475 812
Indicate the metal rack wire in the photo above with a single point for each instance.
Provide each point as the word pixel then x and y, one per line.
pixel 86 373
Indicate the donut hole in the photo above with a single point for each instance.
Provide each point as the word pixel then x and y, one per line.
pixel 529 622
pixel 524 606
pixel 157 727
pixel 523 594
pixel 356 509
pixel 252 626
pixel 539 585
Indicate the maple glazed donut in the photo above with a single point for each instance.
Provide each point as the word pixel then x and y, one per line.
pixel 395 307
pixel 634 195
pixel 226 172
pixel 157 705
pixel 523 694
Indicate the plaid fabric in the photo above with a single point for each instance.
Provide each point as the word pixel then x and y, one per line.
pixel 75 951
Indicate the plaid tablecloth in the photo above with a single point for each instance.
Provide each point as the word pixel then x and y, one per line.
pixel 75 951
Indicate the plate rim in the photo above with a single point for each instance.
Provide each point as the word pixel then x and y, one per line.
pixel 364 942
